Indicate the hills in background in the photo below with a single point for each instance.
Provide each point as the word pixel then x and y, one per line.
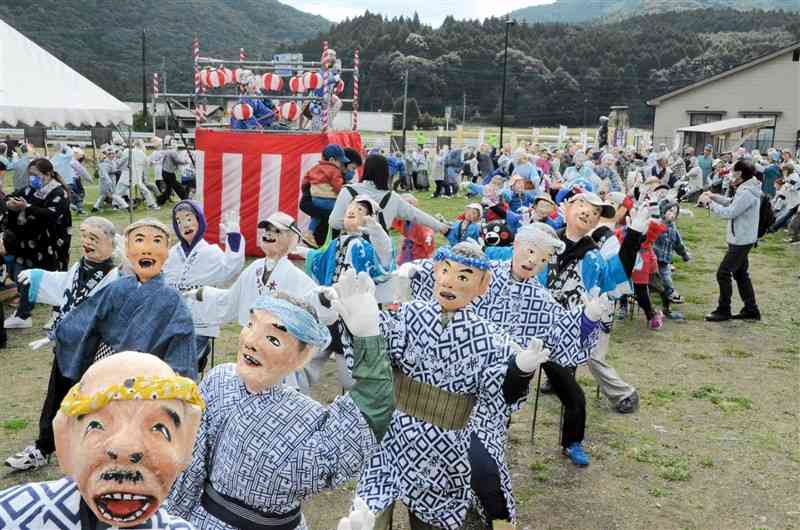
pixel 102 40
pixel 557 73
pixel 576 11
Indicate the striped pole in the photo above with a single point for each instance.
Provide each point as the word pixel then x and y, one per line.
pixel 356 63
pixel 326 99
pixel 155 91
pixel 199 89
pixel 242 55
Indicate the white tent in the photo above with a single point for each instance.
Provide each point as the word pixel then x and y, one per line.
pixel 36 87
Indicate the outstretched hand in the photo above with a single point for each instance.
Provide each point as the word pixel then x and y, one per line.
pixel 596 305
pixel 229 224
pixel 529 359
pixel 355 302
pixel 640 221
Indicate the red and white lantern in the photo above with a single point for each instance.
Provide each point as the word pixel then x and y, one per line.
pixel 312 81
pixel 241 75
pixel 290 111
pixel 272 82
pixel 227 75
pixel 215 78
pixel 296 84
pixel 339 88
pixel 242 111
pixel 203 77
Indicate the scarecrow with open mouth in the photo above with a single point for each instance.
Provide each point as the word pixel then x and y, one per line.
pixel 123 434
pixel 263 448
pixel 139 311
pixel 449 364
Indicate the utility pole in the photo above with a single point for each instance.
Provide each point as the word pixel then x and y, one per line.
pixel 509 22
pixel 464 111
pixel 144 75
pixel 585 101
pixel 405 101
pixel 164 73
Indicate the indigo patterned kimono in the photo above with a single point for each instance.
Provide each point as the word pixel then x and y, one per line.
pixel 128 315
pixel 270 450
pixel 57 505
pixel 424 466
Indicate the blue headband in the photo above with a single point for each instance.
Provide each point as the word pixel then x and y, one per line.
pixel 446 253
pixel 299 322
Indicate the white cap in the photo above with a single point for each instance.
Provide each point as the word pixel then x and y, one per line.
pixel 476 206
pixel 540 234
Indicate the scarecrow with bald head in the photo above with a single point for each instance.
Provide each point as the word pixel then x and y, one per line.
pixel 123 434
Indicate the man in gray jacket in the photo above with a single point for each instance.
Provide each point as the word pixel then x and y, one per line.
pixel 742 213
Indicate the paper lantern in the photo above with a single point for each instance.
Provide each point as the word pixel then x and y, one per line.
pixel 312 81
pixel 339 88
pixel 216 78
pixel 296 84
pixel 203 77
pixel 242 111
pixel 272 82
pixel 290 111
pixel 242 75
pixel 227 75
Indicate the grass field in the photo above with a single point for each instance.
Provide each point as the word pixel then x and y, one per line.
pixel 714 446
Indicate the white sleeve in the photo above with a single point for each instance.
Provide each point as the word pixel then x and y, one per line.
pixel 52 287
pixel 382 244
pixel 222 305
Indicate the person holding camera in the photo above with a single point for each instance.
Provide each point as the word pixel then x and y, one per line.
pixel 742 213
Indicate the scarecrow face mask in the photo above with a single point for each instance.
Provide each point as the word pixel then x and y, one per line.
pixel 96 246
pixel 457 285
pixel 125 457
pixel 355 217
pixel 581 216
pixel 543 209
pixel 528 260
pixel 187 225
pixel 147 251
pixel 275 243
pixel 267 352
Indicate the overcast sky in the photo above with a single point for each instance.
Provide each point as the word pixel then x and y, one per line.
pixel 429 12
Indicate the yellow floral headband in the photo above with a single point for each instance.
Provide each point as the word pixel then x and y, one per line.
pixel 146 388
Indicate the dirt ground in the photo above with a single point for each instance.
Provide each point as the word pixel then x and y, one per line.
pixel 714 446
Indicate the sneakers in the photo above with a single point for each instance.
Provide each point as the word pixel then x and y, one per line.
pixel 622 313
pixel 629 404
pixel 676 298
pixel 95 209
pixel 29 458
pixel 657 322
pixel 718 316
pixel 676 316
pixel 49 325
pixel 154 207
pixel 14 322
pixel 747 314
pixel 578 456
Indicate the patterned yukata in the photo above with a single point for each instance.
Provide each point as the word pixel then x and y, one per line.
pixel 57 505
pixel 524 310
pixel 420 464
pixel 270 450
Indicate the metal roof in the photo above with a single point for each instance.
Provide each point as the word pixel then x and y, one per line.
pixel 725 126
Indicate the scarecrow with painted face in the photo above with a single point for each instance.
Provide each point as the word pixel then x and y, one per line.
pixel 264 449
pixel 519 305
pixel 138 311
pixel 66 290
pixel 278 236
pixel 123 434
pixel 449 364
pixel 193 263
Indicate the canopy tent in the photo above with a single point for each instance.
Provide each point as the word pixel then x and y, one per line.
pixel 724 135
pixel 37 87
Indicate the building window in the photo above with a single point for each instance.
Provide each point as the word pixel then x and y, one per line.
pixel 766 135
pixel 699 118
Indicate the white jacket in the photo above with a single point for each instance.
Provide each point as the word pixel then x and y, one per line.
pixel 54 285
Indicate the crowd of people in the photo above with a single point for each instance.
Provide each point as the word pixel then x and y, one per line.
pixel 435 347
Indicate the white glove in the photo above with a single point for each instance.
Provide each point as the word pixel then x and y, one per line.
pixel 329 293
pixel 641 219
pixel 191 294
pixel 529 359
pixel 359 519
pixel 230 223
pixel 596 306
pixel 408 270
pixel 371 225
pixel 35 345
pixel 301 251
pixel 24 277
pixel 355 302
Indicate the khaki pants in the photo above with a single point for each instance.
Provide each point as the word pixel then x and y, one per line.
pixel 611 384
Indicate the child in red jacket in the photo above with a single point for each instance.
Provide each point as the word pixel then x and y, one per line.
pixel 418 240
pixel 325 180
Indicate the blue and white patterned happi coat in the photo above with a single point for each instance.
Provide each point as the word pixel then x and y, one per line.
pixel 278 448
pixel 56 506
pixel 523 310
pixel 424 466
